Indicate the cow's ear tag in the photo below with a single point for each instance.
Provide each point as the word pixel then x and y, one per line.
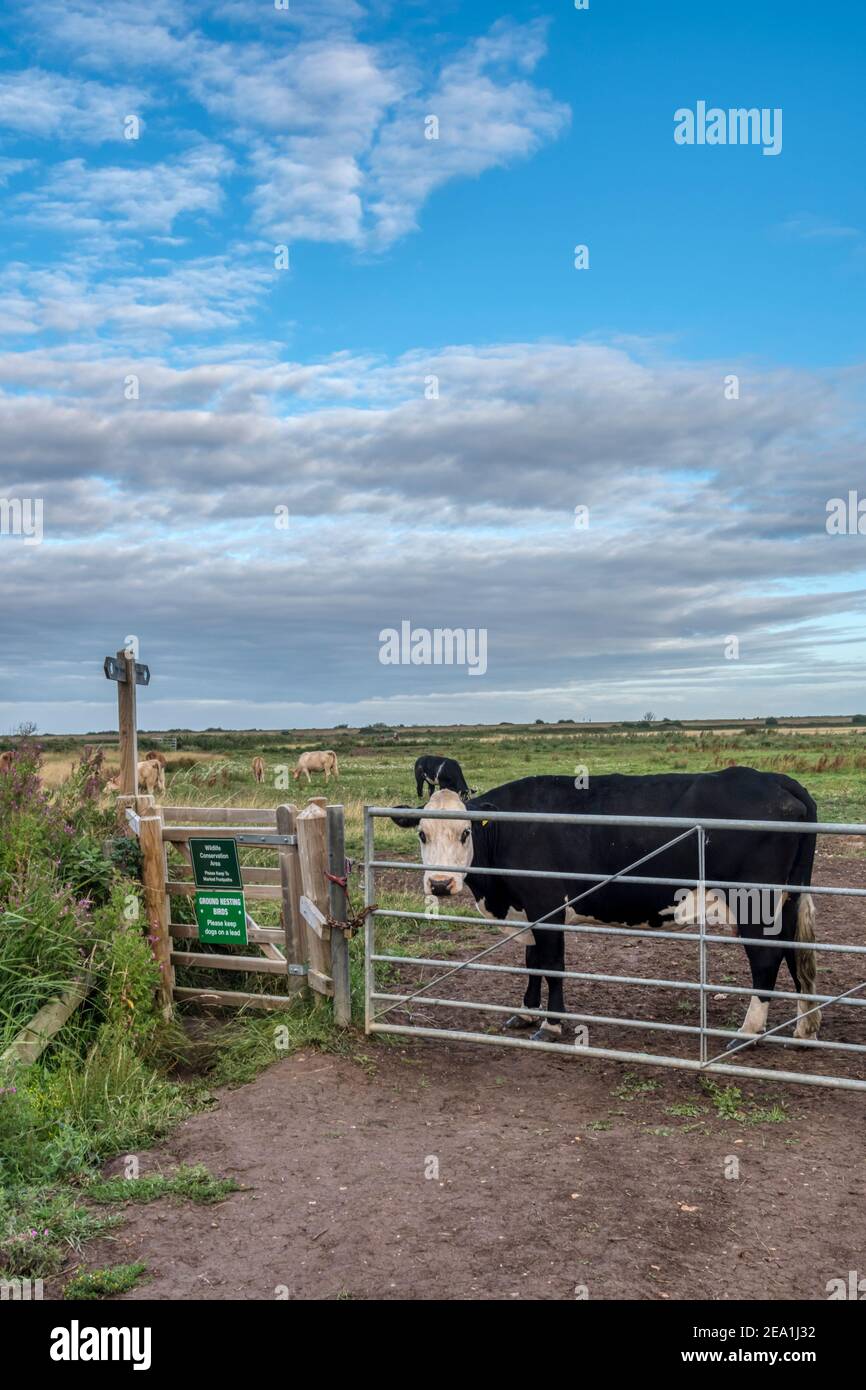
pixel 484 822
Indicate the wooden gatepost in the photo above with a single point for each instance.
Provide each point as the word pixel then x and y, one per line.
pixel 322 860
pixel 313 859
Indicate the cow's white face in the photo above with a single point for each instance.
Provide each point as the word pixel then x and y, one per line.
pixel 445 842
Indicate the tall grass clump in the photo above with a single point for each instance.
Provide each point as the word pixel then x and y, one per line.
pixel 67 915
pixel 107 1083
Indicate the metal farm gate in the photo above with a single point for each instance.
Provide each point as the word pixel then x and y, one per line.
pixel 381 1004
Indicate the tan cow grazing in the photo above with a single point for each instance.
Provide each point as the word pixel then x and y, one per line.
pixel 316 762
pixel 151 777
pixel 259 769
pixel 154 757
pixel 6 761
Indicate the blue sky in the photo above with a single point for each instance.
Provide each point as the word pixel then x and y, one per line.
pixel 153 259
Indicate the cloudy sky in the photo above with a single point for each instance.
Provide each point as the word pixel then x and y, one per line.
pixel 294 350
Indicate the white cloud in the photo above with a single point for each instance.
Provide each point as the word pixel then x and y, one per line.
pixel 141 198
pixel 160 34
pixel 487 115
pixel 51 106
pixel 330 126
pixel 363 169
pixel 82 296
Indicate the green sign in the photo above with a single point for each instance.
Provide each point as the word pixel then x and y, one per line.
pixel 215 863
pixel 222 918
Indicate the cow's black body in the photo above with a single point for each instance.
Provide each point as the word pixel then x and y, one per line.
pixel 445 774
pixel 737 793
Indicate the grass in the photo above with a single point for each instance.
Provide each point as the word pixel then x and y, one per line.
pixel 729 1104
pixel 104 1283
pixel 633 1086
pixel 40 1228
pixel 191 1183
pixel 109 1082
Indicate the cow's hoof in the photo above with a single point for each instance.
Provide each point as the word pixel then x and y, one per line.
pixel 547 1034
pixel 741 1039
pixel 519 1021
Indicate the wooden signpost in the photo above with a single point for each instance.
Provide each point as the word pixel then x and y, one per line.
pixel 128 673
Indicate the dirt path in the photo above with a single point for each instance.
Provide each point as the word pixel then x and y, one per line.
pixel 553 1172
pixel 529 1203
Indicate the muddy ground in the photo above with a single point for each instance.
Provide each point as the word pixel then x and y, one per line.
pixel 442 1170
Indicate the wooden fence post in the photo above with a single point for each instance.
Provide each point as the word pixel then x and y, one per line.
pixel 290 882
pixel 156 902
pixel 127 727
pixel 313 856
pixel 339 911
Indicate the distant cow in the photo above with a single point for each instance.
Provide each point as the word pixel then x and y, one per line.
pixel 441 774
pixel 151 777
pixel 316 762
pixel 259 769
pixel 6 760
pixel 154 757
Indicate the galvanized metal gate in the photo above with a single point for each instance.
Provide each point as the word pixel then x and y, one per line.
pixel 382 1005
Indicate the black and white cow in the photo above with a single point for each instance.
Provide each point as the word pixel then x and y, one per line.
pixel 737 793
pixel 441 774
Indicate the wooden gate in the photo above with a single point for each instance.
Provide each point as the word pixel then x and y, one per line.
pixel 303 952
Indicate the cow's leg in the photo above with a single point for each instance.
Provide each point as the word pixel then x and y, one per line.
pixel 764 962
pixel 532 994
pixel 551 956
pixel 419 787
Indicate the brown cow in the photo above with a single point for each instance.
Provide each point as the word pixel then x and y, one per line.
pixel 316 762
pixel 151 777
pixel 259 769
pixel 154 757
pixel 6 760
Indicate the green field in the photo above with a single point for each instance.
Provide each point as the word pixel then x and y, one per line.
pixel 377 766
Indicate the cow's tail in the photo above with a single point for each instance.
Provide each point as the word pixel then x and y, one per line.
pixel 801 872
pixel 336 767
pixel 807 961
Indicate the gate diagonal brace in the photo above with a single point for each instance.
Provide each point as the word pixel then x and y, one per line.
pixel 292 968
pixel 755 1038
pixel 424 989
